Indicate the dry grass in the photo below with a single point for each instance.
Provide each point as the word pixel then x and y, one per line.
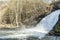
pixel 24 12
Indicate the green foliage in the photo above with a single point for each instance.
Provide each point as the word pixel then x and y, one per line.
pixel 56 29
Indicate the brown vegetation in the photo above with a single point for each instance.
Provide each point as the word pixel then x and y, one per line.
pixel 25 12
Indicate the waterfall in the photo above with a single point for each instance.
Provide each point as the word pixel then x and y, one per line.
pixel 40 30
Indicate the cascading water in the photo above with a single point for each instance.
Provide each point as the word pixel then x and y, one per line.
pixel 40 30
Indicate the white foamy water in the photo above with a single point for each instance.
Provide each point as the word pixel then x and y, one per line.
pixel 41 29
